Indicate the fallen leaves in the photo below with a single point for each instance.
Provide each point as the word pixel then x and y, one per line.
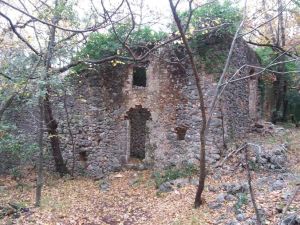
pixel 135 201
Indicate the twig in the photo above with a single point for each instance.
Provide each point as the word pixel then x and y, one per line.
pixel 230 154
pixel 227 63
pixel 289 203
pixel 250 188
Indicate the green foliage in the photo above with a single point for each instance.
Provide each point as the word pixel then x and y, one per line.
pixel 15 145
pixel 222 15
pixel 210 32
pixel 138 36
pixel 241 201
pixel 16 173
pixel 64 10
pixel 173 174
pixel 267 55
pixel 293 97
pixel 100 45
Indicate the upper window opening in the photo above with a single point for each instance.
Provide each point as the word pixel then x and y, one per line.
pixel 139 76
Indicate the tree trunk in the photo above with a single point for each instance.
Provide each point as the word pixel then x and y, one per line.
pixel 268 18
pixel 280 90
pixel 51 123
pixel 39 180
pixel 285 103
pixel 54 138
pixel 280 93
pixel 258 217
pixel 202 173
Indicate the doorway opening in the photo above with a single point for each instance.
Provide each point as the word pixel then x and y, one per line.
pixel 138 117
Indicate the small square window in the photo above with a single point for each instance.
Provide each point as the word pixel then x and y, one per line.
pixel 139 77
pixel 181 132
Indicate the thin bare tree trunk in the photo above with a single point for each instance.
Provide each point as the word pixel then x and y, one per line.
pixel 202 173
pixel 292 198
pixel 53 136
pixel 51 123
pixel 268 17
pixel 279 84
pixel 258 222
pixel 39 180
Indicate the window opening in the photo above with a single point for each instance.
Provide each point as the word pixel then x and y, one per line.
pixel 181 132
pixel 139 77
pixel 83 156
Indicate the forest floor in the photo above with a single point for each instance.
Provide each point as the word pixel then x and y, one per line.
pixel 133 199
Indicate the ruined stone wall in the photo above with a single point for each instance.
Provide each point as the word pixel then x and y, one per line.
pixel 23 120
pixel 105 130
pixel 104 97
pixel 241 97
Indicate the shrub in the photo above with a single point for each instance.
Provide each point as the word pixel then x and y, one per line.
pixel 173 174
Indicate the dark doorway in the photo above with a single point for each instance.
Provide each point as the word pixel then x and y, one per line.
pixel 138 117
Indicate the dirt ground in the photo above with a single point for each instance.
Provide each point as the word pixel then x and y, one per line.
pixel 133 199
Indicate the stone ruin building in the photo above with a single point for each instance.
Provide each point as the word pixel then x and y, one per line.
pixel 147 114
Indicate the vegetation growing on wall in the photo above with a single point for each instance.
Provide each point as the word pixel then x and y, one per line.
pixel 212 27
pixel 101 45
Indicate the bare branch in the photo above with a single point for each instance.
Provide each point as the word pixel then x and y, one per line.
pixel 92 28
pixel 6 76
pixel 276 47
pixel 19 35
pixel 258 222
pixel 289 203
pixel 218 90
pixel 198 198
pixel 264 23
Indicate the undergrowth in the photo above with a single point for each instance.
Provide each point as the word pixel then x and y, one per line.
pixel 173 174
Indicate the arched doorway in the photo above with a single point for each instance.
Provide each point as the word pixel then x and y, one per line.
pixel 138 131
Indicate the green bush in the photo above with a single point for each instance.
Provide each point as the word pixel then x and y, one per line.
pixel 210 33
pixel 16 147
pixel 267 55
pixel 173 174
pixel 241 201
pixel 102 45
pixel 216 14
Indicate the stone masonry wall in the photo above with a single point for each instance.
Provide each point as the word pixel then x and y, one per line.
pixel 102 127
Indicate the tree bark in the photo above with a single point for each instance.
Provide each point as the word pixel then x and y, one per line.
pixel 54 138
pixel 258 222
pixel 267 18
pixel 281 67
pixel 51 123
pixel 202 173
pixel 39 180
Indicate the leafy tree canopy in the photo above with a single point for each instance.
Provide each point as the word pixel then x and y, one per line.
pixel 101 45
pixel 218 17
